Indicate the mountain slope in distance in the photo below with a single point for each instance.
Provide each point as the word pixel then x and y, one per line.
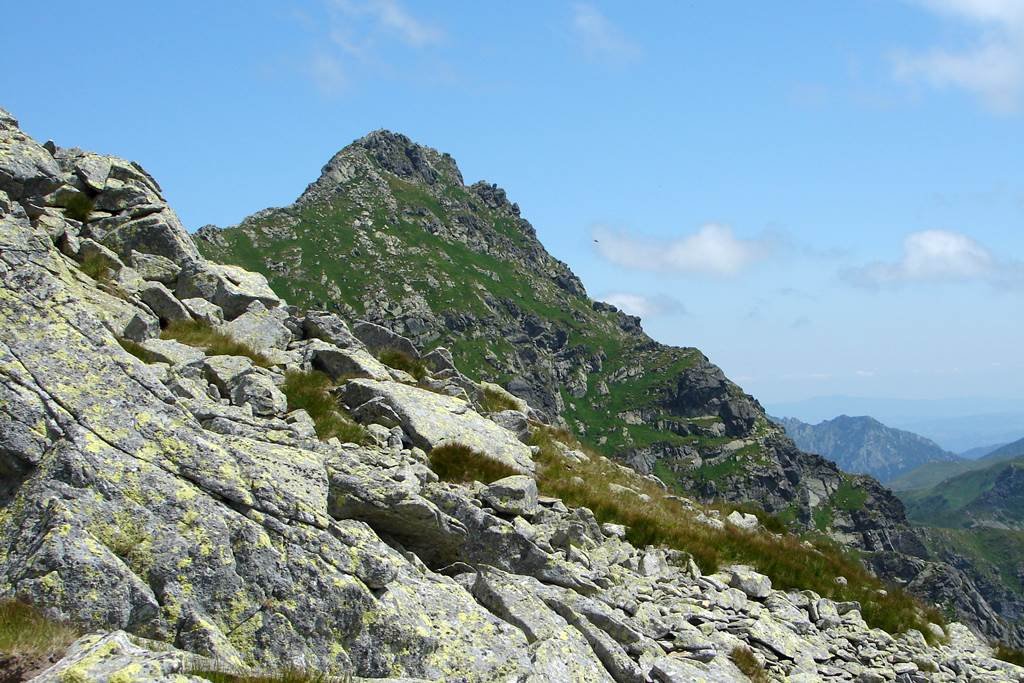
pixel 932 474
pixel 863 445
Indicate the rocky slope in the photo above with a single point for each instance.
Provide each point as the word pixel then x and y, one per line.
pixel 390 233
pixel 173 501
pixel 863 445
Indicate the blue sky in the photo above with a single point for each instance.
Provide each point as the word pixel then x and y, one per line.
pixel 825 197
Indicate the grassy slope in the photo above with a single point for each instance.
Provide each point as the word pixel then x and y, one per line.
pixel 944 505
pixel 454 278
pixel 934 473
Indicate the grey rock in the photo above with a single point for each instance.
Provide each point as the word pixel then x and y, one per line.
pixel 345 363
pixel 432 419
pixel 231 288
pixel 380 339
pixel 163 303
pixel 330 328
pixel 155 268
pixel 258 391
pixel 757 586
pixel 259 328
pixel 515 495
pixel 203 310
pixel 173 352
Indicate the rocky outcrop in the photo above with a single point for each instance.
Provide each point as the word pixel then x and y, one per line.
pixel 185 514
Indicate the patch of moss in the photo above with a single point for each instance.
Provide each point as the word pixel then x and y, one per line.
pixel 78 207
pixel 403 361
pixel 137 350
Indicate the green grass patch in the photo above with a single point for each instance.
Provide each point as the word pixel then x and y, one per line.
pixel 96 266
pixel 789 563
pixel 24 630
pixel 494 401
pixel 400 360
pixel 288 675
pixel 78 207
pixel 1009 654
pixel 312 392
pixel 458 463
pixel 137 350
pixel 202 335
pixel 849 496
pixel 748 664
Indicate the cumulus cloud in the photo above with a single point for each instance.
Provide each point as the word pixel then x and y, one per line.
pixel 599 37
pixel 645 306
pixel 712 250
pixel 991 68
pixel 938 256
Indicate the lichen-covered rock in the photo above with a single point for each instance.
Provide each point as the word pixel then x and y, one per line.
pixel 259 328
pixel 515 495
pixel 432 419
pixel 177 509
pixel 231 288
pixel 118 658
pixel 380 339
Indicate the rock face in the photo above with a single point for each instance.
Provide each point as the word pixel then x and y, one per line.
pixel 429 261
pixel 863 445
pixel 179 509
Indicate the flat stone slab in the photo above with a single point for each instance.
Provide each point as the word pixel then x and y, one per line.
pixel 431 419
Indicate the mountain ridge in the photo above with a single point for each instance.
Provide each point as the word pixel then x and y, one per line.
pixel 214 483
pixel 863 445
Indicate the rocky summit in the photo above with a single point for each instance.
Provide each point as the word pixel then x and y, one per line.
pixel 202 482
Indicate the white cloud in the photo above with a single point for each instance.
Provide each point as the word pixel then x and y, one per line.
pixel 599 37
pixel 992 68
pixel 645 306
pixel 327 73
pixel 391 16
pixel 712 250
pixel 938 256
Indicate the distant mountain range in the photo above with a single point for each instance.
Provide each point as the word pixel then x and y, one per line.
pixel 863 445
pixel 957 425
pixel 932 474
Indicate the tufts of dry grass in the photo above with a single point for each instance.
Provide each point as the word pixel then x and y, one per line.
pixel 215 343
pixel 311 391
pixel 1009 654
pixel 24 630
pixel 747 663
pixel 137 350
pixel 290 675
pixel 494 401
pixel 403 361
pixel 791 562
pixel 461 464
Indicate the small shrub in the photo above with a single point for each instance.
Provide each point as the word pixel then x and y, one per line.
pixel 24 630
pixel 1009 654
pixel 458 463
pixel 137 350
pixel 311 391
pixel 201 334
pixel 494 401
pixel 96 266
pixel 79 207
pixel 403 361
pixel 747 663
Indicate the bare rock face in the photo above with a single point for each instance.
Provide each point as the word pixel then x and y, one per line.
pixel 183 512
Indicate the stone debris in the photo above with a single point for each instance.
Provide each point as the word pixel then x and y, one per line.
pixel 183 514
